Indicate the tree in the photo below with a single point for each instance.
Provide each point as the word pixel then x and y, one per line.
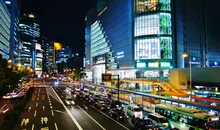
pixel 10 76
pixel 75 74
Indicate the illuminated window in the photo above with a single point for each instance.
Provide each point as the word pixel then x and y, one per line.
pixel 147 25
pixel 147 48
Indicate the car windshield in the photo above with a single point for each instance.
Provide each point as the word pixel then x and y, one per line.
pixel 163 120
pixel 137 109
pixel 148 122
pixel 69 99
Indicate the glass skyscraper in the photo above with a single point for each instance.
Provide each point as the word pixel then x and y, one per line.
pixel 5 20
pixel 146 38
pixel 31 53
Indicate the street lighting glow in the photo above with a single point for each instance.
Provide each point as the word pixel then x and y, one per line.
pixel 9 61
pixel 185 55
pixel 19 65
pixel 57 46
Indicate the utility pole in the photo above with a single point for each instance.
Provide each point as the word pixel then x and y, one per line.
pixel 118 86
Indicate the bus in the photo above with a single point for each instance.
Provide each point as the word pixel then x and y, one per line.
pixel 184 118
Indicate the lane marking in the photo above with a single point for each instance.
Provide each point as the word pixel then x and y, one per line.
pixel 3 106
pixel 43 108
pixel 60 111
pixel 52 113
pixel 29 109
pixel 51 107
pixel 32 128
pixel 91 118
pixel 55 126
pixel 71 116
pixel 35 113
pixel 36 104
pixel 37 98
pixel 111 118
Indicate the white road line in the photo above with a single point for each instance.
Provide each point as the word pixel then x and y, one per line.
pixel 91 118
pixel 36 104
pixel 55 126
pixel 32 128
pixel 60 111
pixel 110 118
pixel 51 107
pixel 35 113
pixel 52 113
pixel 3 106
pixel 71 116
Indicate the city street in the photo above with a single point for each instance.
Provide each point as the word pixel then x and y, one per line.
pixel 46 111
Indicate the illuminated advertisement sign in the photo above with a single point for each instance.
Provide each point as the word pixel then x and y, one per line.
pixel 153 64
pixel 141 65
pixel 99 59
pixel 120 55
pixel 165 64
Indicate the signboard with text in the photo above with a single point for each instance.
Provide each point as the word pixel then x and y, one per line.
pixel 106 77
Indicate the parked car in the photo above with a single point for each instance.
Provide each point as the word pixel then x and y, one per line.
pixel 117 113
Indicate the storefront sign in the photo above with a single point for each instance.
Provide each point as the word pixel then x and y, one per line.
pixel 153 64
pixel 165 64
pixel 141 65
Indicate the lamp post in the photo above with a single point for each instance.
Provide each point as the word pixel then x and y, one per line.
pixel 185 55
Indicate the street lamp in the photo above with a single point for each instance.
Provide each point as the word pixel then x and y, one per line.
pixel 19 65
pixel 185 55
pixel 9 61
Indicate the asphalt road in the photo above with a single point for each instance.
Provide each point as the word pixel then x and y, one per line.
pixel 91 118
pixel 45 112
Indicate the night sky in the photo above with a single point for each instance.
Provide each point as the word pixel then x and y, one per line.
pixel 61 20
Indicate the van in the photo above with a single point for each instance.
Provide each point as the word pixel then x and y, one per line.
pixel 159 119
pixel 134 111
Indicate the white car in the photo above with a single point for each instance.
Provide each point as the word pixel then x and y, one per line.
pixel 69 101
pixel 134 111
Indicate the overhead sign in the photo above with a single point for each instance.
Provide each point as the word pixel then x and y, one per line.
pixel 106 77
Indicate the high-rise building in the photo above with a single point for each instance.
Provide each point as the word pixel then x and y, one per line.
pixel 14 9
pixel 64 54
pixel 196 27
pixel 5 20
pixel 48 47
pixel 31 53
pixel 145 38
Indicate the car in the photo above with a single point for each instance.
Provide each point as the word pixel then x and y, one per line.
pixel 159 119
pixel 133 111
pixel 143 124
pixel 117 113
pixel 101 105
pixel 69 101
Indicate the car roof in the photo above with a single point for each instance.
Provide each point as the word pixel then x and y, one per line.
pixel 157 115
pixel 133 106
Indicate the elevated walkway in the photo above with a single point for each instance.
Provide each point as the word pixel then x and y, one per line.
pixel 166 86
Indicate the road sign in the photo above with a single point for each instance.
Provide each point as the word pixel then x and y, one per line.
pixel 106 77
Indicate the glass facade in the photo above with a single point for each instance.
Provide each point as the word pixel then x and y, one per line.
pixel 99 43
pixel 4 31
pixel 152 30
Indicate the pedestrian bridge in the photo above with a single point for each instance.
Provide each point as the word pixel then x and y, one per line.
pixel 165 85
